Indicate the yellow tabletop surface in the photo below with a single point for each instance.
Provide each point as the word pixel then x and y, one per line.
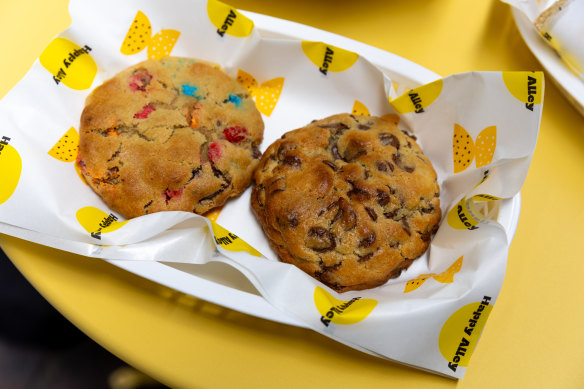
pixel 534 335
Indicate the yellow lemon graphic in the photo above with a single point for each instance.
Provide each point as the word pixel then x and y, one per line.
pixel 213 214
pixel 417 99
pixel 448 275
pixel 162 43
pixel 340 311
pixel 138 36
pixel 66 147
pixel 95 221
pixel 414 284
pixel 11 167
pixel 526 87
pixel 360 109
pixel 461 331
pixel 69 63
pixel 230 241
pixel 329 58
pixel 465 150
pixel 460 216
pixel 265 95
pixel 228 20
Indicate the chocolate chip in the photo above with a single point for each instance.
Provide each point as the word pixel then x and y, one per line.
pixel 330 164
pixel 334 126
pixel 335 151
pixel 410 135
pixel 212 195
pixel 357 193
pixel 381 166
pixel 335 203
pixel 425 236
pixel 367 241
pixel 283 150
pixel 363 258
pixel 195 172
pixel 255 152
pixel 363 127
pixel 429 209
pixel 372 214
pixel 405 225
pixel 278 185
pixel 354 150
pixel 216 172
pixel 292 160
pixel 260 195
pixel 390 214
pixel 382 197
pixel 293 220
pixel 397 160
pixel 389 139
pixel 320 240
pixel 346 216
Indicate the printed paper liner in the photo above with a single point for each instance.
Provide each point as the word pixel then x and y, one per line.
pixel 430 317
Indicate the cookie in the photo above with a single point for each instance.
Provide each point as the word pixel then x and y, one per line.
pixel 350 200
pixel 169 135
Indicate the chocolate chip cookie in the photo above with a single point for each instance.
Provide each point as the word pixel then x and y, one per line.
pixel 350 200
pixel 169 135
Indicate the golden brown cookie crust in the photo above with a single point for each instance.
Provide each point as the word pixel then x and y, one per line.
pixel 169 135
pixel 350 200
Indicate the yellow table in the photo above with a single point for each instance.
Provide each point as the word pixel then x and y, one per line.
pixel 534 335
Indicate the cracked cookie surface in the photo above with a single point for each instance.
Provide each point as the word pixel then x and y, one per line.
pixel 350 200
pixel 169 135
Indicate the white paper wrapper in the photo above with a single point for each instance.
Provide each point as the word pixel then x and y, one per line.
pixel 430 317
pixel 561 24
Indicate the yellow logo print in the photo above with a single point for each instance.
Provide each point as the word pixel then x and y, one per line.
pixel 461 331
pixel 230 241
pixel 464 150
pixel 414 284
pixel 11 167
pixel 140 36
pixel 69 63
pixel 526 87
pixel 329 58
pixel 467 214
pixel 66 148
pixel 97 222
pixel 266 95
pixel 446 277
pixel 418 98
pixel 342 312
pixel 228 20
pixel 360 109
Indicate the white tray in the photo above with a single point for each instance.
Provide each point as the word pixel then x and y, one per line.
pixel 568 82
pixel 220 284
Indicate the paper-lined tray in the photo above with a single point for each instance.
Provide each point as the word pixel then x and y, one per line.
pixel 220 284
pixel 479 129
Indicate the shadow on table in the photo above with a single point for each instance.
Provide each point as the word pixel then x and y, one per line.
pixel 39 348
